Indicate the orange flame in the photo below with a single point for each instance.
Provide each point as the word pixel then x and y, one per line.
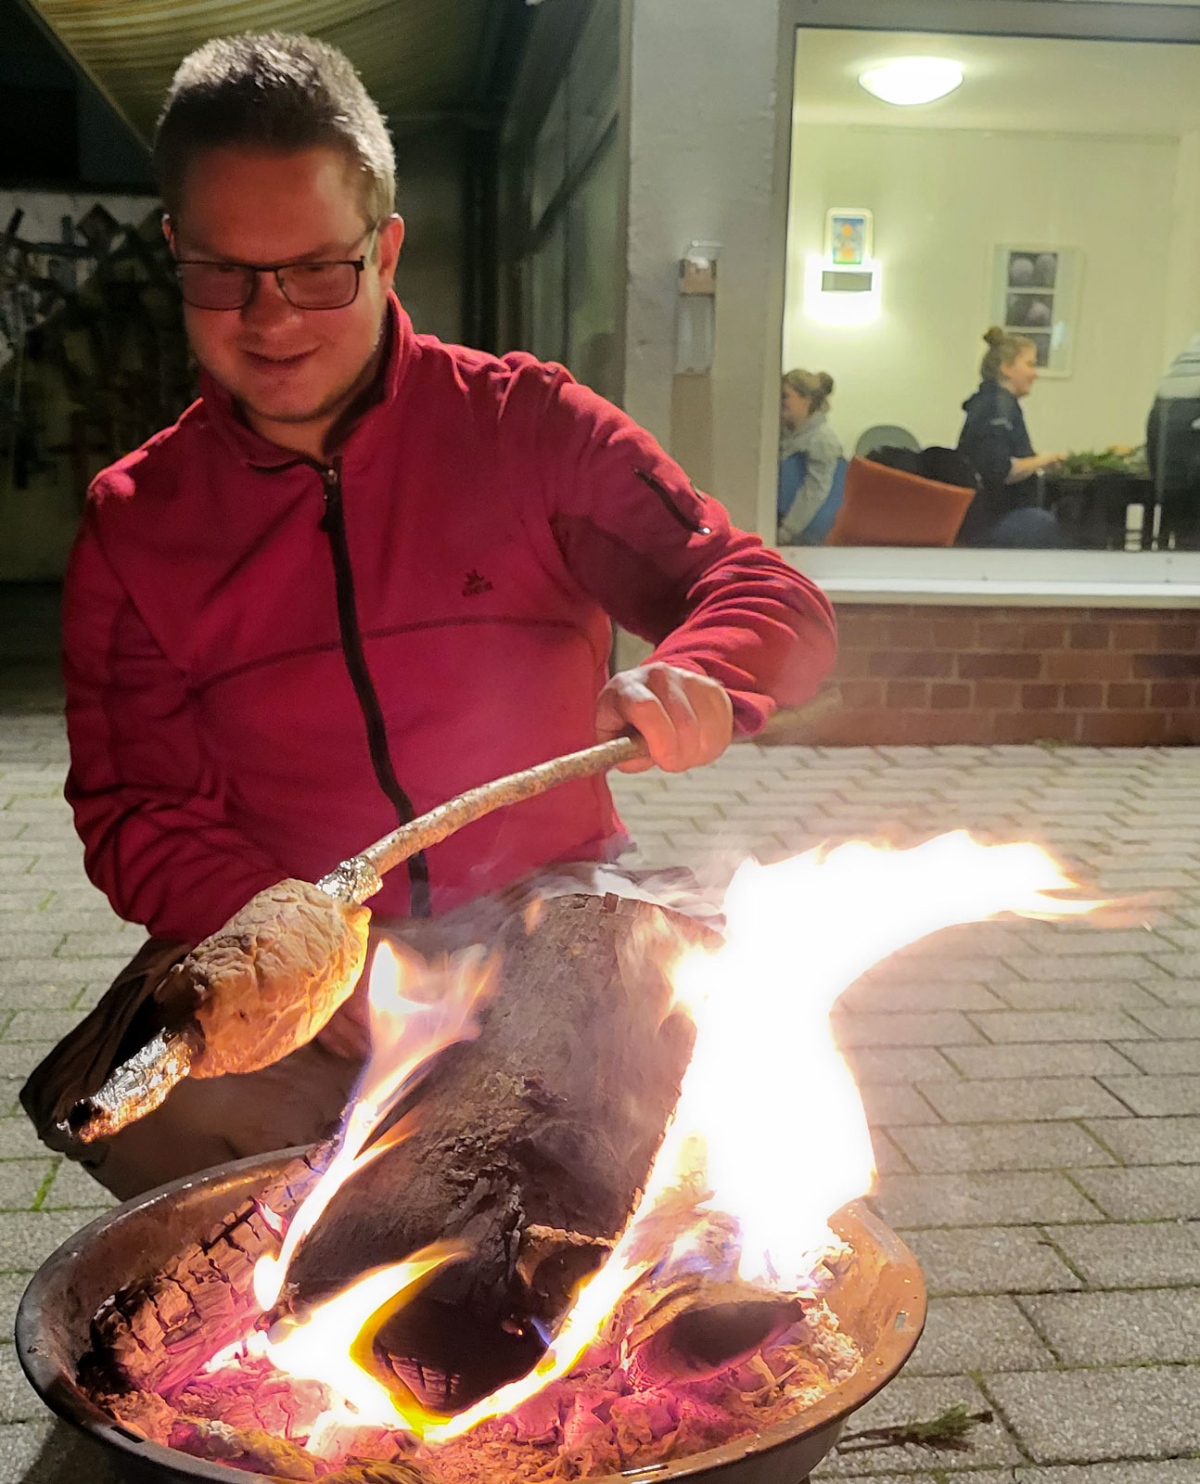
pixel 405 1035
pixel 769 1127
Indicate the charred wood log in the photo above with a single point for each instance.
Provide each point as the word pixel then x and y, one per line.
pixel 153 1335
pixel 550 1118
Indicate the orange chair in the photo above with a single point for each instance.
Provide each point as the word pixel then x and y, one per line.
pixel 886 507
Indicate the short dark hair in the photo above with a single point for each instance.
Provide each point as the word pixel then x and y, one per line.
pixel 273 91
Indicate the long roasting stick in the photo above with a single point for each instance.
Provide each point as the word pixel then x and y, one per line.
pixel 141 1084
pixel 357 879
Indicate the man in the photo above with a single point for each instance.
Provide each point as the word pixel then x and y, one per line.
pixel 363 572
pixel 1173 449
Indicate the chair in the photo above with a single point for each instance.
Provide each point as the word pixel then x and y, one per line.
pixel 887 507
pixel 884 436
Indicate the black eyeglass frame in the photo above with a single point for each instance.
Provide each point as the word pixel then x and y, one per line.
pixel 358 264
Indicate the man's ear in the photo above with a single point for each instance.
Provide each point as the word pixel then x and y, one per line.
pixel 167 230
pixel 391 239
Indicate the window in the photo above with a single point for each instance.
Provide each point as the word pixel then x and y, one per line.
pixel 1054 194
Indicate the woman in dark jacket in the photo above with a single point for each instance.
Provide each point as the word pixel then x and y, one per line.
pixel 996 442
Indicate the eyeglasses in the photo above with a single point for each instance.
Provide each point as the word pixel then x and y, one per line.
pixel 332 285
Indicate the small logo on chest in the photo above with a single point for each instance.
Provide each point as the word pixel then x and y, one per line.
pixel 474 584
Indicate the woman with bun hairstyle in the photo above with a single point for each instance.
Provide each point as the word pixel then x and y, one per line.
pixel 995 440
pixel 809 452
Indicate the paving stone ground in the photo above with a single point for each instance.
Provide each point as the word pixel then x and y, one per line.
pixel 1034 1089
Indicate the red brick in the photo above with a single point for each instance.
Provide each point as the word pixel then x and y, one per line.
pixel 999 666
pixel 1171 695
pixel 947 697
pixel 1000 633
pixel 1082 664
pixel 1137 636
pixel 1084 695
pixel 1090 635
pixel 858 694
pixel 955 633
pixel 898 665
pixel 863 630
pixel 911 633
pixel 1127 696
pixel 941 728
pixel 1166 666
pixel 1178 635
pixel 1123 728
pixel 1035 726
pixel 1182 730
pixel 910 694
pixel 1042 636
pixel 1040 697
pixel 852 663
pixel 996 695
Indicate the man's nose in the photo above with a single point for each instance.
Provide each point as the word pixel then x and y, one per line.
pixel 267 304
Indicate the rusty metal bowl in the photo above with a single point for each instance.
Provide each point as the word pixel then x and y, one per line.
pixel 879 1302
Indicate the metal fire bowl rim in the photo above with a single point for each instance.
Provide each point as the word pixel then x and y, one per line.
pixel 855 1223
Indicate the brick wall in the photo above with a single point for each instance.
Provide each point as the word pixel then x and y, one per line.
pixel 1104 676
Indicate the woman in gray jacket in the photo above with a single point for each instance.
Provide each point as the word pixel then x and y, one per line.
pixel 809 453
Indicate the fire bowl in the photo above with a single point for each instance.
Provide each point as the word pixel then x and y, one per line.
pixel 879 1301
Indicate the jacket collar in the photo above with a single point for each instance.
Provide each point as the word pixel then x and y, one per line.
pixel 221 414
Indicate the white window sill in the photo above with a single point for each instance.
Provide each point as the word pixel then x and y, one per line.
pixel 1035 579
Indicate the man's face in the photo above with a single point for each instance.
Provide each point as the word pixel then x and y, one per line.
pixel 292 370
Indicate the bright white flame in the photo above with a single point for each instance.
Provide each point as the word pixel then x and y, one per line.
pixel 405 1034
pixel 906 81
pixel 769 1114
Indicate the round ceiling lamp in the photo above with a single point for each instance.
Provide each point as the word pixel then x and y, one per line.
pixel 906 81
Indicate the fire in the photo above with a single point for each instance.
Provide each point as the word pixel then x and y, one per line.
pixel 769 1127
pixel 405 1035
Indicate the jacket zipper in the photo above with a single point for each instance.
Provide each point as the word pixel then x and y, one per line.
pixel 333 523
pixel 664 495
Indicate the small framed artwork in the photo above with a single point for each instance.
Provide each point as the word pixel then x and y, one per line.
pixel 1035 293
pixel 848 234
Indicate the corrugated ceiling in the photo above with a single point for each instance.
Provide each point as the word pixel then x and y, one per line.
pixel 417 57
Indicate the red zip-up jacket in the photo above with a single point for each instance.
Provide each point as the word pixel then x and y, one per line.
pixel 494 515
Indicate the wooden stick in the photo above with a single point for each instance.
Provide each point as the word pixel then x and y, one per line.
pixel 360 881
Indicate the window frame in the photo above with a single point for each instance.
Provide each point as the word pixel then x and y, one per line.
pixel 960 575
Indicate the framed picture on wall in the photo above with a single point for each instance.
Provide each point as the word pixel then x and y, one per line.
pixel 848 232
pixel 1035 292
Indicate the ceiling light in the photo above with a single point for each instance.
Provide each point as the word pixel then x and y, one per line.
pixel 910 80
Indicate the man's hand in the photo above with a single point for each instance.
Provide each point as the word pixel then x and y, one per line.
pixel 686 718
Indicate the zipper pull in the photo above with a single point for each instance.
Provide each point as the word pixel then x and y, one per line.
pixel 331 479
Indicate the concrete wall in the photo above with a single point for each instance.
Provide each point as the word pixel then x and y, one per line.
pixel 709 102
pixel 429 196
pixel 943 199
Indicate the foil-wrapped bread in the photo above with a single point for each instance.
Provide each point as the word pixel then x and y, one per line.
pixel 269 980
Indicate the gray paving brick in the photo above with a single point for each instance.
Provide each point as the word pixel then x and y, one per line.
pixel 28 1237
pixel 18 1058
pixel 1073 994
pixel 920 970
pixel 972 1199
pixel 1002 1146
pixel 1022 1059
pixel 124 942
pixel 1060 1025
pixel 74 1189
pixel 1144 1194
pixel 916 1398
pixel 990 1260
pixel 40 1025
pixel 1058 940
pixel 1178 965
pixel 18 1401
pixel 18 1140
pixel 21 1180
pixel 41 996
pixel 54 1453
pixel 925 997
pixel 1156 1097
pixel 1163 1057
pixel 1085 967
pixel 1030 1100
pixel 1174 1024
pixel 891 1106
pixel 1151 1141
pixel 1162 1471
pixel 892 1064
pixel 977 1334
pixel 945 1028
pixel 1156 1324
pixel 1079 1416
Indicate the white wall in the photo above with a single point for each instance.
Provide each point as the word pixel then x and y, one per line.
pixel 942 200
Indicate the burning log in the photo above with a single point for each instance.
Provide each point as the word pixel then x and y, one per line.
pixel 550 1118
